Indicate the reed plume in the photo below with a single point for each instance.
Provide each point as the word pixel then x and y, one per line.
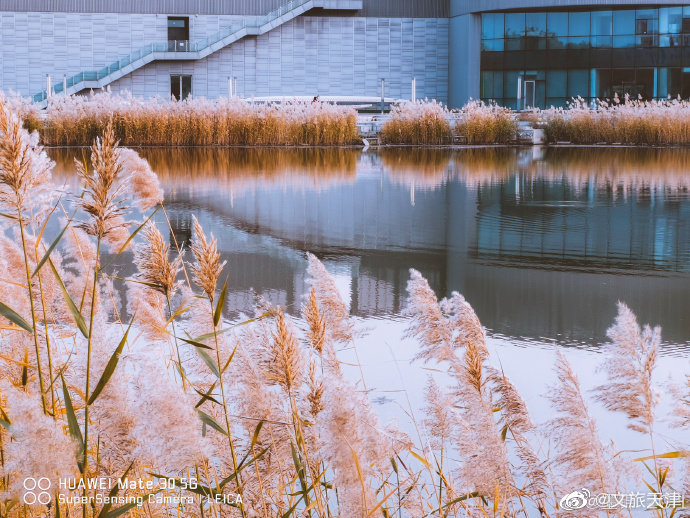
pixel 39 444
pixel 335 312
pixel 152 260
pixel 428 323
pixel 517 422
pixel 316 332
pixel 207 266
pixel 629 369
pixel 444 329
pixel 102 196
pixel 142 183
pixel 580 457
pixel 284 363
pixel 25 169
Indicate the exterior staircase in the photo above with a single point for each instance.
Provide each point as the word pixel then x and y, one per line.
pixel 171 51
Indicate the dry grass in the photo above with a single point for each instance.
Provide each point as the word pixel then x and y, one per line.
pixel 482 123
pixel 258 408
pixel 419 123
pixel 633 122
pixel 77 121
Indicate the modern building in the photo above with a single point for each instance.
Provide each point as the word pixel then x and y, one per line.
pixel 521 53
pixel 206 47
pixel 525 53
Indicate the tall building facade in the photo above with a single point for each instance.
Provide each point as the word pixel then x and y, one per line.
pixel 520 53
pixel 525 53
pixel 202 47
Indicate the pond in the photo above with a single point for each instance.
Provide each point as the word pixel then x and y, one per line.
pixel 541 242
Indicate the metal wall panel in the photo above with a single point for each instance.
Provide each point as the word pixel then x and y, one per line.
pixel 316 55
pixel 374 8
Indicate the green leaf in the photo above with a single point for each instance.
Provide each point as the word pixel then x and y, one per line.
pixel 76 314
pixel 195 343
pixel 5 420
pixel 126 243
pixel 420 458
pixel 52 247
pixel 8 216
pixel 230 328
pixel 74 429
pixel 208 361
pixel 669 455
pixel 113 492
pixel 242 465
pixel 299 468
pixel 206 396
pixel 207 419
pixel 219 305
pixel 15 317
pixel 227 363
pixel 110 367
pixel 257 431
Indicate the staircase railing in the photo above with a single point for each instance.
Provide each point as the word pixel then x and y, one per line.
pixel 177 46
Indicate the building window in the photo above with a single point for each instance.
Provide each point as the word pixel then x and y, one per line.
pixel 180 87
pixel 178 33
pixel 546 58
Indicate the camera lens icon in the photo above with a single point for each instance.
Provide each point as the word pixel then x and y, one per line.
pixel 37 491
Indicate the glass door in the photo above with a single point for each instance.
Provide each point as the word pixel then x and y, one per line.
pixel 178 33
pixel 530 93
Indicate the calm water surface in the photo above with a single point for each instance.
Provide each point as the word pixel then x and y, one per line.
pixel 542 243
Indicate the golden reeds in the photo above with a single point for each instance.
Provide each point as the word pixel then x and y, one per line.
pixel 482 123
pixel 198 122
pixel 262 407
pixel 628 121
pixel 419 123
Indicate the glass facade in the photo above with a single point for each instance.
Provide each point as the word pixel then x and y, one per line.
pixel 547 58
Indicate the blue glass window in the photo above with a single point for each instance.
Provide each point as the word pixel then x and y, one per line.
pixel 578 83
pixel 510 84
pixel 556 83
pixel 623 22
pixel 578 24
pixel 535 24
pixel 668 82
pixel 623 41
pixel 602 23
pixel 557 30
pixel 647 21
pixel 557 24
pixel 670 20
pixel 492 45
pixel 492 25
pixel 515 25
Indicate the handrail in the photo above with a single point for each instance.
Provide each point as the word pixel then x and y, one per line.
pixel 177 46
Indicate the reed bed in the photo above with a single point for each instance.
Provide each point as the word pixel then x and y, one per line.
pixel 628 121
pixel 255 417
pixel 486 123
pixel 417 123
pixel 78 120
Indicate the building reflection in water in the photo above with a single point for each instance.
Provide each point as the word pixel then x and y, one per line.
pixel 542 243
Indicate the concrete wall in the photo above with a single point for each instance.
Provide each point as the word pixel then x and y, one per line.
pixel 374 8
pixel 328 55
pixel 317 55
